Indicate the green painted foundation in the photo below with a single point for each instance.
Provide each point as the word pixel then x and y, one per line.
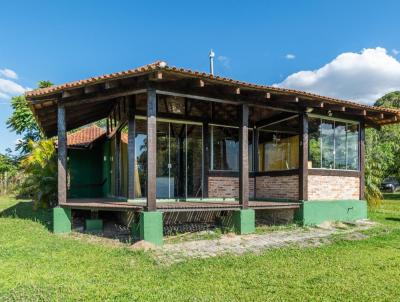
pixel 151 227
pixel 94 225
pixel 244 221
pixel 318 211
pixel 241 222
pixel 62 220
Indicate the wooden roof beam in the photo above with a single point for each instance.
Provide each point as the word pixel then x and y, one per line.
pixel 156 76
pixel 334 107
pixel 111 84
pixel 71 93
pixel 360 112
pixel 91 89
pixel 294 100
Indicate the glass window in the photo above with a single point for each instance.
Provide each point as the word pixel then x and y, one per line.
pixel 340 145
pixel 278 151
pixel 333 144
pixel 314 143
pixel 224 142
pixel 352 152
pixel 327 144
pixel 251 152
pixel 224 148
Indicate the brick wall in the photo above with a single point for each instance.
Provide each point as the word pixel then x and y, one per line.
pixel 227 187
pixel 286 187
pixel 333 187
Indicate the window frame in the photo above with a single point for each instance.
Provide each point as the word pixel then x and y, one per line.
pixel 211 142
pixel 347 122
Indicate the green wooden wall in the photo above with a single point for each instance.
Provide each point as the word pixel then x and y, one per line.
pixel 85 168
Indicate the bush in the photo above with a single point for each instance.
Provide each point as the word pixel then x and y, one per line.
pixel 40 167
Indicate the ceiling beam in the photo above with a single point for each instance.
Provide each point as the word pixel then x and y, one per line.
pixel 111 84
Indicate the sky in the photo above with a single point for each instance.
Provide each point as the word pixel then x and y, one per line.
pixel 346 49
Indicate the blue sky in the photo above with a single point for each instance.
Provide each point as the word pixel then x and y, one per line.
pixel 267 42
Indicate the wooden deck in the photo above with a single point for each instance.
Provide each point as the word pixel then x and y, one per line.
pixel 103 204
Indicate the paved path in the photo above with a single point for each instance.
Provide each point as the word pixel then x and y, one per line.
pixel 237 245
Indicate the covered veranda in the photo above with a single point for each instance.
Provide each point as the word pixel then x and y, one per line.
pixel 175 160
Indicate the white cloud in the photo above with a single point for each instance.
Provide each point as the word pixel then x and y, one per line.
pixel 10 88
pixel 8 73
pixel 225 61
pixel 362 77
pixel 290 56
pixel 395 51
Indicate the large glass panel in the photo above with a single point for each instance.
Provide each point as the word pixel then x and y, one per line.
pixel 333 144
pixel 251 152
pixel 225 148
pixel 194 159
pixel 163 162
pixel 141 158
pixel 278 151
pixel 340 145
pixel 327 143
pixel 177 162
pixel 113 167
pixel 314 143
pixel 352 147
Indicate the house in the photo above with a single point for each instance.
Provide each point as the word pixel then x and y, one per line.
pixel 180 141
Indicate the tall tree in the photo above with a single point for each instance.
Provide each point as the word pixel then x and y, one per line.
pixel 23 122
pixel 382 151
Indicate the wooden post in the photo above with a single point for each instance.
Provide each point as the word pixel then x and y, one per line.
pixel 244 157
pixel 362 160
pixel 151 149
pixel 62 155
pixel 303 157
pixel 131 148
pixel 118 163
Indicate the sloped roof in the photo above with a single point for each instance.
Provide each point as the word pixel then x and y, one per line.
pixel 84 137
pixel 161 65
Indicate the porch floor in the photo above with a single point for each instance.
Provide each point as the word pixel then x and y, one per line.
pixel 173 206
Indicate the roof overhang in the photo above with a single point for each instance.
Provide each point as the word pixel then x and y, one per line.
pixel 92 99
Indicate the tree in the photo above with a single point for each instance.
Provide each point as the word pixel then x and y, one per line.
pixel 40 168
pixel 23 122
pixel 9 175
pixel 382 152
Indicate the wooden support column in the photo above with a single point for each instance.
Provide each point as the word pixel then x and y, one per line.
pixel 303 157
pixel 244 157
pixel 151 149
pixel 362 160
pixel 118 163
pixel 131 148
pixel 62 155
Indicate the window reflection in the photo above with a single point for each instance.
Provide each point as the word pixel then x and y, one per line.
pixel 278 151
pixel 333 144
pixel 224 142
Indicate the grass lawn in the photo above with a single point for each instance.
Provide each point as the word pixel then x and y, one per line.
pixel 38 265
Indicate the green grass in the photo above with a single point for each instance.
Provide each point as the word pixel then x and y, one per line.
pixel 38 265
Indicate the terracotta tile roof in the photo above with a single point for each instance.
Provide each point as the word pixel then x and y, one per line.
pixel 85 136
pixel 161 65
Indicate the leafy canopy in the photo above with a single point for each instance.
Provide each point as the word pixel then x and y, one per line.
pixel 22 121
pixel 382 152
